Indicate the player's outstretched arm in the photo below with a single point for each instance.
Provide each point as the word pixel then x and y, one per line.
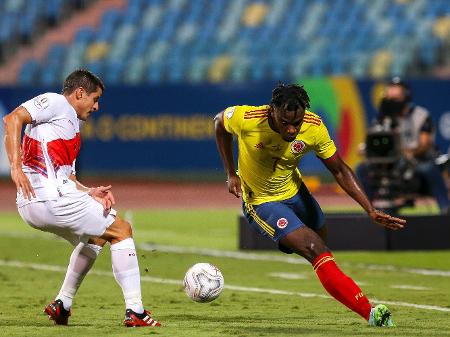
pixel 224 141
pixel 13 124
pixel 347 180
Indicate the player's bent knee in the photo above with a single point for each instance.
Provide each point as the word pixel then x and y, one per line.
pixel 305 242
pixel 91 250
pixel 313 251
pixel 126 228
pixel 118 231
pixel 310 251
pixel 97 241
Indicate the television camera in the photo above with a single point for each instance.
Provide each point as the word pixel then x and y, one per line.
pixel 391 175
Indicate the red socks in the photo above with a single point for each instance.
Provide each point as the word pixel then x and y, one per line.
pixel 340 286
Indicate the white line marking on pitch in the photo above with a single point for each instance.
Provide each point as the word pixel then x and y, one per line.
pixel 409 287
pixel 251 256
pixel 282 258
pixel 419 271
pixel 47 267
pixel 289 276
pixel 221 253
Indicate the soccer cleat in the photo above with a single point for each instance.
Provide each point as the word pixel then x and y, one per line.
pixel 133 319
pixel 380 316
pixel 57 313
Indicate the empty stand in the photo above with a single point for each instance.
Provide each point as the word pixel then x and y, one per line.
pixel 154 41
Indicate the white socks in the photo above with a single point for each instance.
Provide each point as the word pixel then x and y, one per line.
pixel 125 269
pixel 126 272
pixel 81 261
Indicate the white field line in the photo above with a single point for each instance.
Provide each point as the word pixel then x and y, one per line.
pixel 222 253
pixel 247 256
pixel 409 287
pixel 55 268
pixel 289 276
pixel 282 258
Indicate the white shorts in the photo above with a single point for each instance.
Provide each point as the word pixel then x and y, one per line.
pixel 75 216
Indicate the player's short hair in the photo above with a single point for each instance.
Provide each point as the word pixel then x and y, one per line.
pixel 290 96
pixel 82 78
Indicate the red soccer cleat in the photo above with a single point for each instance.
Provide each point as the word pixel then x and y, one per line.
pixel 57 313
pixel 133 319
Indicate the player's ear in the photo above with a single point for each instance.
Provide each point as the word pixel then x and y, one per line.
pixel 79 92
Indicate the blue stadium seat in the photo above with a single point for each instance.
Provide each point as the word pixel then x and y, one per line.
pixel 110 22
pixel 113 73
pixel 96 67
pixel 177 40
pixel 84 35
pixel 54 11
pixel 29 72
pixel 50 73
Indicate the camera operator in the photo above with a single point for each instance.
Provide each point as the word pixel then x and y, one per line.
pixel 415 131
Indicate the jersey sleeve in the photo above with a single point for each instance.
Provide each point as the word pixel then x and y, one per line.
pixel 41 108
pixel 324 145
pixel 233 118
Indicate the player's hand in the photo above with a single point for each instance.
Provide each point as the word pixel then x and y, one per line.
pixel 22 183
pixel 234 186
pixel 104 196
pixel 387 220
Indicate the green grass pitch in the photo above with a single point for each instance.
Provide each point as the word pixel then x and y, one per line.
pixel 265 297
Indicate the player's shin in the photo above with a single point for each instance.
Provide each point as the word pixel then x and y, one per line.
pixel 81 261
pixel 126 272
pixel 340 286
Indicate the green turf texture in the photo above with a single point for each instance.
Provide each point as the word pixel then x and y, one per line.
pixel 98 308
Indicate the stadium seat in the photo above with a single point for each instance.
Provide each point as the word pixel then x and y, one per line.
pixel 29 72
pixel 180 40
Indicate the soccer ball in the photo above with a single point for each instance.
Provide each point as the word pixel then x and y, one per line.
pixel 203 282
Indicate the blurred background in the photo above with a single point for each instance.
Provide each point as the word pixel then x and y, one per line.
pixel 170 65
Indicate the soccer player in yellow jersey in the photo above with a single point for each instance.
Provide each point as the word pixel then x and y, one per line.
pixel 271 141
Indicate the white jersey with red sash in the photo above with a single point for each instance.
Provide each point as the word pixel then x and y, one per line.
pixel 50 146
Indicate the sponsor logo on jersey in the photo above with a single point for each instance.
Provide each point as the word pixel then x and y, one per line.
pixel 229 112
pixel 297 146
pixel 41 102
pixel 282 223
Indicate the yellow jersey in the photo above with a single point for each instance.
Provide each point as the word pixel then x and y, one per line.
pixel 267 164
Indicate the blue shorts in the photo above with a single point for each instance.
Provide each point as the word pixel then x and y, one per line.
pixel 279 218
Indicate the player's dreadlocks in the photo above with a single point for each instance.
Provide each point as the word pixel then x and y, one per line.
pixel 290 97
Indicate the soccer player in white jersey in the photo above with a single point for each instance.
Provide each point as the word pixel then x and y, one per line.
pixel 50 198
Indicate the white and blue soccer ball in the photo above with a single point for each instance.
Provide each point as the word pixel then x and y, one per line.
pixel 203 282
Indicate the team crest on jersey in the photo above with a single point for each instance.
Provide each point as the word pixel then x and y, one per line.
pixel 41 102
pixel 282 223
pixel 229 112
pixel 297 146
